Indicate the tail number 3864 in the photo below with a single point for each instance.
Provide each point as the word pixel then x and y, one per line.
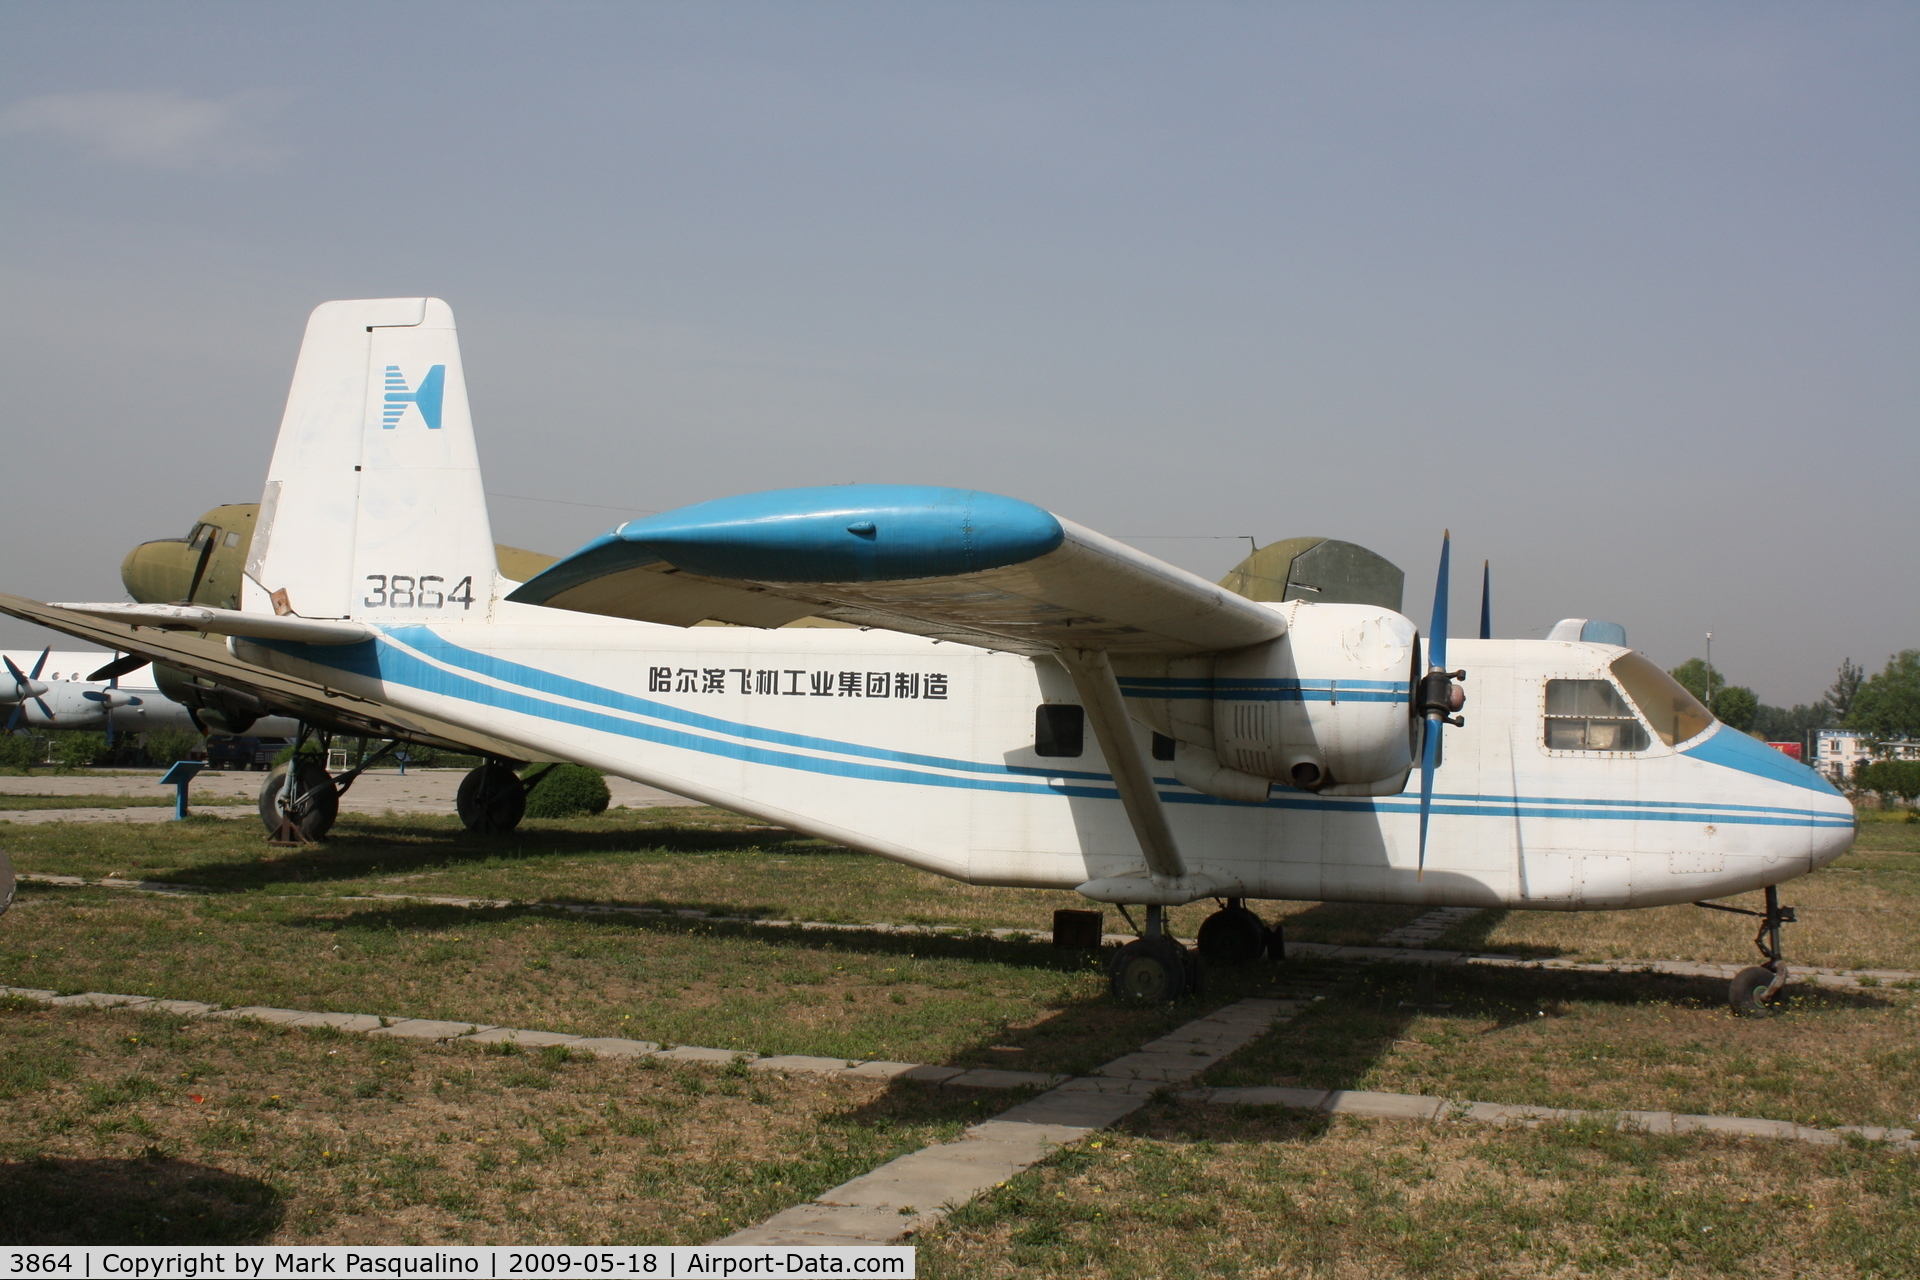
pixel 424 591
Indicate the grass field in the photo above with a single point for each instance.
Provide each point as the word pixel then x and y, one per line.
pixel 148 1129
pixel 1187 1191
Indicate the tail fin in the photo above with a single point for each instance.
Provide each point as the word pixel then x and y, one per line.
pixel 374 507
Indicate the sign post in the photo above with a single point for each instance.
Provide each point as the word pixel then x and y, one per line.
pixel 179 777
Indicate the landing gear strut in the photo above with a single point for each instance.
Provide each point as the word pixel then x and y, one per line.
pixel 1756 988
pixel 1153 968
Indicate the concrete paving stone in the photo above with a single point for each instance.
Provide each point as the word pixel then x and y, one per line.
pixel 1740 1125
pixel 1173 1067
pixel 1871 1132
pixel 935 1177
pixel 1266 1096
pixel 1395 1106
pixel 803 1064
pixel 342 1021
pixel 930 1075
pixel 614 1047
pixel 723 1057
pixel 994 1078
pixel 184 1008
pixel 858 1224
pixel 1509 1113
pixel 514 1035
pixel 1112 1084
pixel 265 1013
pixel 1066 1112
pixel 97 1000
pixel 29 993
pixel 883 1070
pixel 427 1029
pixel 1647 1121
pixel 766 1238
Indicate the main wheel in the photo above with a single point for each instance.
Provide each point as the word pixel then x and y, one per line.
pixel 492 800
pixel 1748 992
pixel 1233 936
pixel 309 800
pixel 1149 971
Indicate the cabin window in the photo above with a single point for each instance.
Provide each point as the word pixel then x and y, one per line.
pixel 1675 714
pixel 1162 747
pixel 1059 729
pixel 233 538
pixel 1591 715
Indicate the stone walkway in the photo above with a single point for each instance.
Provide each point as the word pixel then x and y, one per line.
pixel 1415 933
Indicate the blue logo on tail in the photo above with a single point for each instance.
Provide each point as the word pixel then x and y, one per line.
pixel 426 397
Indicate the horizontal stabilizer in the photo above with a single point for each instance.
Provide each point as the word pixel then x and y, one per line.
pixel 953 564
pixel 226 622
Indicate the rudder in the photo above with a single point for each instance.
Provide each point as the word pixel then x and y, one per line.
pixel 374 507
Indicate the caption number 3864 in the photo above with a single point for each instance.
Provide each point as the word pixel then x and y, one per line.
pixel 425 591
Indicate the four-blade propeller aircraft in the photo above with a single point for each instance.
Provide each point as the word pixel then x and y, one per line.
pixel 1011 699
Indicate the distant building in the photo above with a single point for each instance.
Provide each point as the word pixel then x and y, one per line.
pixel 1837 751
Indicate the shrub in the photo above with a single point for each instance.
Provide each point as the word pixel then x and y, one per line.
pixel 565 791
pixel 164 746
pixel 78 748
pixel 21 751
pixel 312 748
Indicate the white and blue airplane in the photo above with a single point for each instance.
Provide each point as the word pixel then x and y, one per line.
pixel 1011 699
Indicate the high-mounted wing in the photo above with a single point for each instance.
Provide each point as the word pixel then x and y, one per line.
pixel 952 564
pixel 226 622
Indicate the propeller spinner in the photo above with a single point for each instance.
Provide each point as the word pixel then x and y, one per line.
pixel 1440 697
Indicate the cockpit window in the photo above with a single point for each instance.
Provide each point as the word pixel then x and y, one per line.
pixel 1590 715
pixel 1675 714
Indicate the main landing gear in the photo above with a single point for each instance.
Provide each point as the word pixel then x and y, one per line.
pixel 1234 935
pixel 492 799
pixel 1756 989
pixel 300 799
pixel 1153 968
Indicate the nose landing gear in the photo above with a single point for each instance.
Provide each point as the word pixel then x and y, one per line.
pixel 1234 935
pixel 1757 988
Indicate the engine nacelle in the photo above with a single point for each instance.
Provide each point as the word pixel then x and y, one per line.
pixel 1328 706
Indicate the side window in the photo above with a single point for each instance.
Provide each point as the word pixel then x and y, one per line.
pixel 1059 729
pixel 1590 715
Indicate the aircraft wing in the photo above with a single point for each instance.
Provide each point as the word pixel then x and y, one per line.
pixel 206 656
pixel 952 564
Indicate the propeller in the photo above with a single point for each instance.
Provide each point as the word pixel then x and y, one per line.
pixel 110 698
pixel 27 687
pixel 1440 697
pixel 1486 599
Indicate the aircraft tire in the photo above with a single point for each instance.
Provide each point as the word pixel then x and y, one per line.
pixel 1276 943
pixel 492 800
pixel 1233 936
pixel 1748 992
pixel 1150 971
pixel 313 783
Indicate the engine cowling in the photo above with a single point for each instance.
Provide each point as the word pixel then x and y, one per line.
pixel 1327 707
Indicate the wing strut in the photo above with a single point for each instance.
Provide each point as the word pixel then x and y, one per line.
pixel 1099 693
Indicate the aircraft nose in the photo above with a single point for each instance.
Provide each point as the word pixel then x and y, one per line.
pixel 1832 838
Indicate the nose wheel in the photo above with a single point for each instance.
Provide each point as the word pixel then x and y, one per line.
pixel 1756 990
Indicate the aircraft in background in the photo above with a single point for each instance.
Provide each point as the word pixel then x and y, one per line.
pixel 1013 699
pixel 56 689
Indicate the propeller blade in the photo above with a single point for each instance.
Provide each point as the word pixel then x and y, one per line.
pixel 13 721
pixel 19 676
pixel 93 695
pixel 1437 661
pixel 45 710
pixel 40 665
pixel 1486 599
pixel 120 667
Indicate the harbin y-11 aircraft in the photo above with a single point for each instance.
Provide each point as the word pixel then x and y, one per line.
pixel 1010 699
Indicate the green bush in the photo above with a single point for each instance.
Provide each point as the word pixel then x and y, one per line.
pixel 21 751
pixel 312 748
pixel 565 791
pixel 1893 779
pixel 164 746
pixel 76 749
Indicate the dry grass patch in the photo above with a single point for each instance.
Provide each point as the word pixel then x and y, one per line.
pixel 1189 1191
pixel 16 802
pixel 129 1129
pixel 1631 1042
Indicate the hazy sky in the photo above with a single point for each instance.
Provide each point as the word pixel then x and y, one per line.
pixel 1623 293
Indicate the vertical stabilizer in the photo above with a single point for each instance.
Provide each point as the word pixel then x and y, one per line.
pixel 374 507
